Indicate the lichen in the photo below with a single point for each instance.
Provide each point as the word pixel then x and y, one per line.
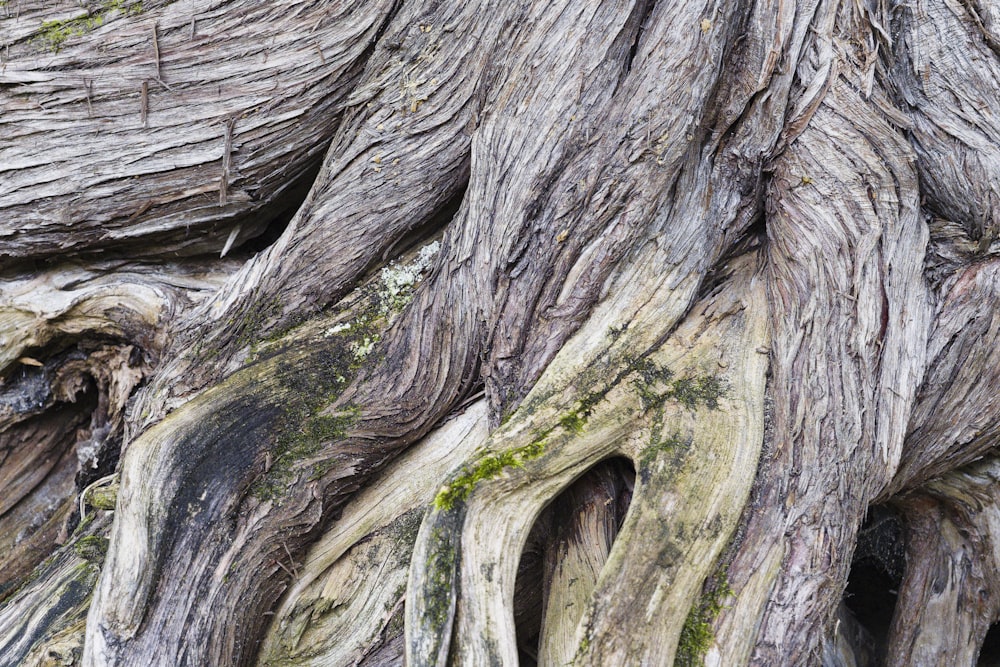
pixel 54 33
pixel 697 634
pixel 398 281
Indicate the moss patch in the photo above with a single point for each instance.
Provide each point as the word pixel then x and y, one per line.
pixel 103 497
pixel 312 384
pixel 670 445
pixel 92 548
pixel 487 467
pixel 441 573
pixel 54 33
pixel 346 347
pixel 697 635
pixel 657 384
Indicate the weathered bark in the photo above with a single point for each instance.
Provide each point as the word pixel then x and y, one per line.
pixel 952 569
pixel 485 332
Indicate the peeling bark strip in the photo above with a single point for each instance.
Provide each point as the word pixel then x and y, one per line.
pixel 747 246
pixel 227 160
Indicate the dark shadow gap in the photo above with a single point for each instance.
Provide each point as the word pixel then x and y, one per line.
pixel 283 209
pixel 876 574
pixel 38 475
pixel 432 226
pixel 989 653
pixel 642 11
pixel 600 497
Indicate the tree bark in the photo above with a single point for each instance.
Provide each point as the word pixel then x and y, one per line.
pixel 598 333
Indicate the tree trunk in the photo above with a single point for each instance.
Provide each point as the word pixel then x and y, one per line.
pixel 603 333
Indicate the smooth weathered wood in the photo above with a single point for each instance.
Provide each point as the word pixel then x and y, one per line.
pixel 653 566
pixel 43 621
pixel 62 419
pixel 335 590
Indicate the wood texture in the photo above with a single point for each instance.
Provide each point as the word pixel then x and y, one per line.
pixel 314 312
pixel 238 98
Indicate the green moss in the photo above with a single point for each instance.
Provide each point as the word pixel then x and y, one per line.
pixel 573 422
pixel 255 319
pixel 84 522
pixel 614 333
pixel 700 390
pixel 649 379
pixel 404 533
pixel 313 385
pixel 656 385
pixel 697 635
pixel 92 548
pixel 441 564
pixel 487 467
pixel 397 619
pixel 103 497
pixel 54 33
pixel 671 444
pixel 293 445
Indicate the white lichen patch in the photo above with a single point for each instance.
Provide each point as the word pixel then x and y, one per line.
pixel 337 328
pixel 397 281
pixel 389 293
pixel 362 348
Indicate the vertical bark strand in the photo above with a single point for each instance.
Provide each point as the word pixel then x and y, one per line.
pixel 680 520
pixel 721 338
pixel 623 158
pixel 945 66
pixel 949 595
pixel 957 415
pixel 850 312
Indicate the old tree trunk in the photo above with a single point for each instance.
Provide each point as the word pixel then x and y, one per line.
pixel 602 333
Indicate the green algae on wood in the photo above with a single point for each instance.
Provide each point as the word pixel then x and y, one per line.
pixel 54 33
